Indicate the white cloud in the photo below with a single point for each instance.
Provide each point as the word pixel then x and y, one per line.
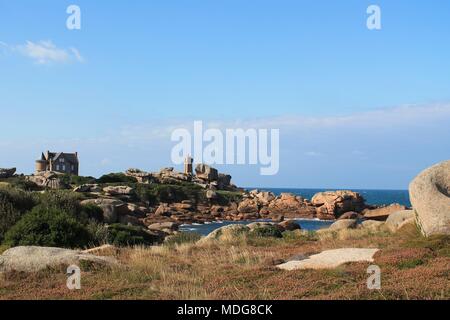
pixel 105 162
pixel 373 121
pixel 312 154
pixel 44 52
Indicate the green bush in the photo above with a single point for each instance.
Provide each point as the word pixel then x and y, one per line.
pixel 13 204
pixel 91 212
pixel 76 180
pixel 20 182
pixel 98 232
pixel 410 264
pixel 182 237
pixel 146 194
pixel 21 200
pixel 48 227
pixel 300 235
pixel 62 200
pixel 8 218
pixel 225 197
pixel 116 178
pixel 267 231
pixel 177 192
pixel 123 235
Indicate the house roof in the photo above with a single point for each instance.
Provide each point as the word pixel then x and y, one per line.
pixel 70 157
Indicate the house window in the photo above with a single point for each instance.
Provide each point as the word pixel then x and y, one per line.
pixel 61 160
pixel 64 167
pixel 57 167
pixel 73 168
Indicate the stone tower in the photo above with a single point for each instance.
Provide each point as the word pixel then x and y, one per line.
pixel 188 165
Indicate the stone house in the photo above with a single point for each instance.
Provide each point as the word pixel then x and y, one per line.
pixel 58 162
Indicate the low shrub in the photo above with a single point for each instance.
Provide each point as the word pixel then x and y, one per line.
pixel 76 180
pixel 98 232
pixel 48 227
pixel 62 200
pixel 266 231
pixel 226 197
pixel 21 200
pixel 182 237
pixel 300 235
pixel 410 264
pixel 20 182
pixel 13 204
pixel 91 212
pixel 168 193
pixel 116 178
pixel 123 235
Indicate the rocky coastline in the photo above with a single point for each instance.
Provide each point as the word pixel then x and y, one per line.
pixel 160 202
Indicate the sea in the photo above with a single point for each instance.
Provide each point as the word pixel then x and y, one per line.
pixel 372 197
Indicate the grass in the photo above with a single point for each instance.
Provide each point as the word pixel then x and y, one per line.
pixel 410 264
pixel 244 268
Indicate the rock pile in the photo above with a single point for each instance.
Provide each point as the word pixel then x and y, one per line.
pixel 382 213
pixel 48 179
pixel 335 203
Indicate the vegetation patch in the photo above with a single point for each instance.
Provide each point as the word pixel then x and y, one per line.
pixel 266 232
pixel 48 227
pixel 410 264
pixel 182 238
pixel 116 178
pixel 123 235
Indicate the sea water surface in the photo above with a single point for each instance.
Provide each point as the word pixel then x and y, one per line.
pixel 205 229
pixel 373 197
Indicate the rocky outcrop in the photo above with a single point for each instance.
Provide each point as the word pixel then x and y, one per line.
pixel 372 225
pixel 225 234
pixel 206 173
pixel 169 175
pixel 349 215
pixel 211 195
pixel 335 203
pixel 223 181
pixel 88 188
pixel 289 225
pixel 48 179
pixel 7 173
pixel 164 226
pixel 331 259
pixel 118 191
pixel 291 206
pixel 396 219
pixel 33 259
pixel 113 209
pixel 382 213
pixel 343 224
pixel 140 176
pixel 430 197
pixel 248 205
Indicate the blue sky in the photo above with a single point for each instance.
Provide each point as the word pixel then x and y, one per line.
pixel 356 108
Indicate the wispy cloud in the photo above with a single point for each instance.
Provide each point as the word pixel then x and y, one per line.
pixel 312 154
pixel 370 121
pixel 44 52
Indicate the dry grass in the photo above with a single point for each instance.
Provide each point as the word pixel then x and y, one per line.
pixel 244 269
